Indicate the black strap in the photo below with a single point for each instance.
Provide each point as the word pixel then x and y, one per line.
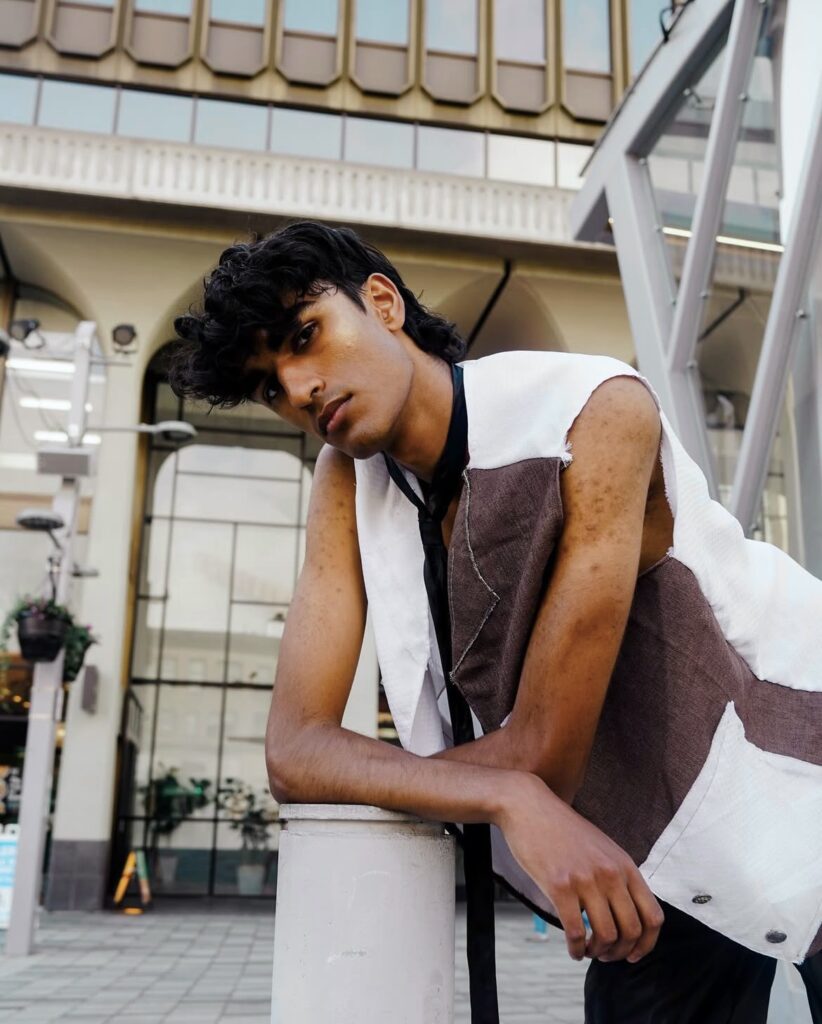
pixel 476 839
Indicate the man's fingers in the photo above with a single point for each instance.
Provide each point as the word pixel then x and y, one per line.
pixel 604 931
pixel 650 914
pixel 628 924
pixel 566 904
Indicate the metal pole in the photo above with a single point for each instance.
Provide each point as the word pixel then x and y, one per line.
pixel 696 270
pixel 47 691
pixel 774 360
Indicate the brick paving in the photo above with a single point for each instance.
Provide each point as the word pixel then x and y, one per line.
pixel 214 967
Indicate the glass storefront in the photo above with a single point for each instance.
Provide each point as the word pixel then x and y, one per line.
pixel 222 543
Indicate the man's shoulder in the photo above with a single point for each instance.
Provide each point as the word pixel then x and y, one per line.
pixel 521 405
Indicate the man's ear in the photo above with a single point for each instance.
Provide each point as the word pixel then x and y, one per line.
pixel 382 294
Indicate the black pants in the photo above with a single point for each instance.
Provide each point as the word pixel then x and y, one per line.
pixel 693 975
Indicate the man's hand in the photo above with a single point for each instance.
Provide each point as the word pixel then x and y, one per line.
pixel 580 868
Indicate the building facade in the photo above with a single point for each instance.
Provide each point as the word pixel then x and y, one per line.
pixel 137 139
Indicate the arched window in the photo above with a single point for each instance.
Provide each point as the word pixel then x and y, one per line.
pixel 222 543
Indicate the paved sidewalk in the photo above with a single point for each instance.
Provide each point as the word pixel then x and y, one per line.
pixel 215 966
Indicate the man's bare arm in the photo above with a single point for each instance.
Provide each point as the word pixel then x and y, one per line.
pixel 580 625
pixel 311 758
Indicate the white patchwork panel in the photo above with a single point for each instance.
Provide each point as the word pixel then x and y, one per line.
pixel 768 606
pixel 742 853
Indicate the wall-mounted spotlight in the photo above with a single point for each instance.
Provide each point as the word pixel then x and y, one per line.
pixel 123 335
pixel 28 332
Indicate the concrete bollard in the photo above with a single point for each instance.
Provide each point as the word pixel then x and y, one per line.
pixel 364 929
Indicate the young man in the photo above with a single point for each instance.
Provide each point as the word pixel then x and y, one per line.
pixel 644 683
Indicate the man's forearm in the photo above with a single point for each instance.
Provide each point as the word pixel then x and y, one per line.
pixel 324 763
pixel 504 750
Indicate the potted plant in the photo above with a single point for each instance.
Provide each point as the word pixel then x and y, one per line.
pixel 44 628
pixel 167 804
pixel 251 815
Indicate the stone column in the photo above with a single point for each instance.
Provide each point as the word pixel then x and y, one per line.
pixel 365 917
pixel 81 832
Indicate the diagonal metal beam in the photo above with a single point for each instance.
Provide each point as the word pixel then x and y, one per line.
pixel 774 361
pixel 696 271
pixel 637 122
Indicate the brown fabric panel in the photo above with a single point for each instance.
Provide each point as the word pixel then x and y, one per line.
pixel 658 718
pixel 509 519
pixel 674 675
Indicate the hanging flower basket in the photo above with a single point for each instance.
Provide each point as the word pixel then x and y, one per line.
pixel 41 639
pixel 44 628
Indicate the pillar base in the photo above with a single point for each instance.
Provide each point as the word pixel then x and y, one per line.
pixel 78 869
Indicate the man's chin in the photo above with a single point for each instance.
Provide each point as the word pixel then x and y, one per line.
pixel 359 447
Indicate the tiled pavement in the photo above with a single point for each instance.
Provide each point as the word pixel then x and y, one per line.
pixel 209 967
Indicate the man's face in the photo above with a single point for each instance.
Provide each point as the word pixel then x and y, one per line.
pixel 343 374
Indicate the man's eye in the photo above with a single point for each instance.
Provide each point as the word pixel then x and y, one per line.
pixel 304 336
pixel 271 392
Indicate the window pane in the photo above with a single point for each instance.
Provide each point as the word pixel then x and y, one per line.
pixel 147 697
pixel 527 160
pixel 451 151
pixel 300 133
pixel 97 3
pixel 519 30
pixel 179 7
pixel 254 644
pixel 236 125
pixel 155 115
pixel 196 619
pixel 318 16
pixel 265 564
pixel 84 108
pixel 243 12
pixel 237 461
pixel 145 664
pixel 451 26
pixel 179 856
pixel 570 161
pixel 18 95
pixel 256 501
pixel 387 143
pixel 242 868
pixel 154 557
pixel 644 31
pixel 586 35
pixel 383 21
pixel 244 724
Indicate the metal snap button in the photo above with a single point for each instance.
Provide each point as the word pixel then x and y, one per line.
pixel 703 897
pixel 776 936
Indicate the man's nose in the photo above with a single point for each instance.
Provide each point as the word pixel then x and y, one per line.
pixel 300 385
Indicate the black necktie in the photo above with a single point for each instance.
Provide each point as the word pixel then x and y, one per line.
pixel 476 839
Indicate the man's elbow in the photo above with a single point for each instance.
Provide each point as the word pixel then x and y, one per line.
pixel 292 758
pixel 560 772
pixel 282 760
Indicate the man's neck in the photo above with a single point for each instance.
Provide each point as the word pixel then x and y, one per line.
pixel 421 431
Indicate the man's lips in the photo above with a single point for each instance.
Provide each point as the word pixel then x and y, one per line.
pixel 331 414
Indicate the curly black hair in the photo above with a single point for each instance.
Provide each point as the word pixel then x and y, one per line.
pixel 258 284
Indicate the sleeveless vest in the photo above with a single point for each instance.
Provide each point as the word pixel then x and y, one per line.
pixel 706 765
